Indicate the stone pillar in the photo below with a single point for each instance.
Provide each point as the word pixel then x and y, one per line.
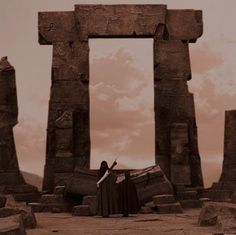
pixel 175 104
pixel 228 176
pixel 11 179
pixel 9 169
pixel 68 140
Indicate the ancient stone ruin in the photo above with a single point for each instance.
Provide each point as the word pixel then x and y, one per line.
pixel 11 179
pixel 225 189
pixel 228 176
pixel 68 137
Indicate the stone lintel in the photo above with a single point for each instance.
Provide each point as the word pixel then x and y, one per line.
pixel 112 21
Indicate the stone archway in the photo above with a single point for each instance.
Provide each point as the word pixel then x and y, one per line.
pixel 68 140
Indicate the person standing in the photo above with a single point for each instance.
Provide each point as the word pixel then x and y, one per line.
pixel 128 198
pixel 107 195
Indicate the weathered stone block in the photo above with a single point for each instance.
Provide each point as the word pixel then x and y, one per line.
pixel 70 92
pixel 59 190
pixel 191 203
pixel 12 225
pixel 71 62
pixel 91 202
pixel 118 20
pixel 171 60
pixel 61 179
pixel 184 24
pixel 150 182
pixel 81 210
pixel 64 164
pixel 83 182
pixel 187 195
pixel 227 223
pixel 164 199
pixel 52 198
pixel 56 26
pixel 28 217
pixel 169 208
pixel 211 211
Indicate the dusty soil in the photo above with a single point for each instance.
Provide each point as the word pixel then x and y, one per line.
pixel 174 224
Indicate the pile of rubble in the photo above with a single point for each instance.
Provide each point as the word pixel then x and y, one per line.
pixel 15 217
pixel 219 214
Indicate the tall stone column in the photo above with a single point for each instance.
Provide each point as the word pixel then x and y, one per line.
pixel 176 150
pixel 9 169
pixel 11 179
pixel 68 140
pixel 228 176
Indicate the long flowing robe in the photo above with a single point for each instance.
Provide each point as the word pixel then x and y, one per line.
pixel 107 197
pixel 128 198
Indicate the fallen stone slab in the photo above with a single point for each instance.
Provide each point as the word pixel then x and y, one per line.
pixel 149 182
pixel 212 213
pixel 83 183
pixel 3 200
pixel 12 225
pixel 81 210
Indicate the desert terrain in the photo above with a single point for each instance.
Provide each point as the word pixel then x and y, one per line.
pixel 141 224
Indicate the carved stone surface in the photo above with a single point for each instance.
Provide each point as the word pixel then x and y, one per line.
pixel 68 144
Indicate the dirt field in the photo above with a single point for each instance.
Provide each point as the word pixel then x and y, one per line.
pixel 65 224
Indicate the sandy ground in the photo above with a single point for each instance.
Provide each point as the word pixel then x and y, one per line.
pixel 174 224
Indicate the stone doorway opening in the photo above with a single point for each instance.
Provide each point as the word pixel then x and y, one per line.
pixel 122 102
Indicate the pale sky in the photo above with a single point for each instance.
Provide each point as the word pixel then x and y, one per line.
pixel 213 84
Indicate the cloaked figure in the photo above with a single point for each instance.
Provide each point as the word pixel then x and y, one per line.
pixel 107 195
pixel 128 197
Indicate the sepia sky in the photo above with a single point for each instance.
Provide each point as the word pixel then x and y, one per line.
pixel 121 87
